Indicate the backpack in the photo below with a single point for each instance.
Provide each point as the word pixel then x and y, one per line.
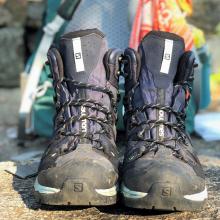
pixel 43 110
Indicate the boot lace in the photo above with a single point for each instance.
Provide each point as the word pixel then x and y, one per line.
pixel 147 125
pixel 106 123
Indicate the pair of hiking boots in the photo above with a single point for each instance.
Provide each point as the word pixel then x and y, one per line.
pixel 81 164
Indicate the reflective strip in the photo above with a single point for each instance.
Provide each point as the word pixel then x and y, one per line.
pixel 161 126
pixel 167 56
pixel 130 193
pixel 107 192
pixel 83 123
pixel 44 189
pixel 198 197
pixel 78 56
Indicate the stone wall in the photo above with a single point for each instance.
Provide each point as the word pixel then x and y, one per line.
pixel 206 15
pixel 19 22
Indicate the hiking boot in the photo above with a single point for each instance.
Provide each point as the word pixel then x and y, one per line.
pixel 160 169
pixel 80 165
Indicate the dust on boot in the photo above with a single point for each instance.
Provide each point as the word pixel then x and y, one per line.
pixel 160 170
pixel 80 165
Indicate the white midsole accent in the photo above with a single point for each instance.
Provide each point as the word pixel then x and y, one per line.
pixel 107 192
pixel 198 197
pixel 131 194
pixel 49 190
pixel 44 189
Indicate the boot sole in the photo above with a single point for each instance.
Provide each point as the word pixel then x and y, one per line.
pixel 165 197
pixel 76 192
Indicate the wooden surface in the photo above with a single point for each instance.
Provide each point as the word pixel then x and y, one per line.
pixel 17 201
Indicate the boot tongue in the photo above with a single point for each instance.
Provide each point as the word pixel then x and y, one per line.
pixel 81 52
pixel 160 51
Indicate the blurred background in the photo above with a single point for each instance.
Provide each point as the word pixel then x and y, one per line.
pixel 21 23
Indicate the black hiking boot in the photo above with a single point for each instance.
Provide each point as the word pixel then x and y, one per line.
pixel 161 170
pixel 80 165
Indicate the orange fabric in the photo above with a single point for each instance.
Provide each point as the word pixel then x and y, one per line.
pixel 135 33
pixel 186 6
pixel 187 95
pixel 164 15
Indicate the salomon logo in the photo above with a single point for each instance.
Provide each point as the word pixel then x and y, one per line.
pixel 78 187
pixel 84 122
pixel 166 191
pixel 161 127
pixel 167 56
pixel 78 55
